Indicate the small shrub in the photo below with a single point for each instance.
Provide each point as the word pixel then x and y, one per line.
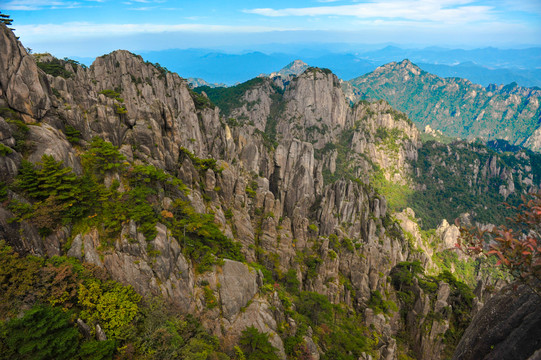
pixel 4 150
pixel 256 345
pixel 73 135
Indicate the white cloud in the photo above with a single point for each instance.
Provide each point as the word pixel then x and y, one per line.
pixel 525 6
pixel 40 4
pixel 143 8
pixel 86 30
pixel 447 11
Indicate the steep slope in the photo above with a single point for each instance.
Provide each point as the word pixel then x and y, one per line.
pixel 455 106
pixel 267 216
pixel 462 178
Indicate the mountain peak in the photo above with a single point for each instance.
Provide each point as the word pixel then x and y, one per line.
pixel 407 64
pixel 296 67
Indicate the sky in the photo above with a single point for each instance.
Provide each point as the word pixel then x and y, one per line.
pixel 89 28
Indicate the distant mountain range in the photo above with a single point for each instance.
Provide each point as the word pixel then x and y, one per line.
pixel 483 66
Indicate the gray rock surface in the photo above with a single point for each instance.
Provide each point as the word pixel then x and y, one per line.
pixel 507 327
pixel 20 81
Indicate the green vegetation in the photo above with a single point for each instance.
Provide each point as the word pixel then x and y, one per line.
pixel 112 94
pixel 516 248
pixel 343 161
pixel 315 70
pixel 229 98
pixel 19 129
pixel 5 19
pixel 201 101
pixel 119 107
pixel 251 189
pixel 338 332
pixel 102 157
pixel 58 196
pixel 59 290
pixel 397 195
pixel 464 270
pixel 72 134
pixel 42 333
pixel 203 241
pixel 460 298
pixel 451 187
pixel 198 163
pixel 55 67
pixel 455 106
pixel 109 304
pixel 380 305
pixel 255 345
pixel 390 138
pixel 162 70
pixel 5 150
pixel 270 136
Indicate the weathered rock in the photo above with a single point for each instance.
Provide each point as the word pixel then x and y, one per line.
pixel 47 140
pixel 507 327
pixel 76 247
pixel 84 328
pixel 100 334
pixel 259 315
pixel 25 90
pixel 238 285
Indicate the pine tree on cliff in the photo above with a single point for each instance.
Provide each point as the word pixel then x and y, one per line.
pixel 5 19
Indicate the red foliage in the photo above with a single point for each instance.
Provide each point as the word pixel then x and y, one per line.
pixel 518 250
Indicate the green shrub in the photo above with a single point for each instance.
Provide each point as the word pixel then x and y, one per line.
pixel 97 350
pixel 72 134
pixel 42 333
pixel 228 98
pixel 201 238
pixel 112 94
pixel 102 156
pixel 210 299
pixel 316 307
pixel 58 195
pixel 20 132
pixel 201 101
pixel 111 305
pixel 5 150
pixel 200 164
pixel 379 305
pixel 256 345
pixel 55 67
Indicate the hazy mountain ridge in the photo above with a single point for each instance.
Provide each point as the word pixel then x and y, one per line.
pixel 483 66
pixel 293 181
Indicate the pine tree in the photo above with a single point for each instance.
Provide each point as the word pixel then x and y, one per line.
pixel 27 180
pixel 5 19
pixel 42 333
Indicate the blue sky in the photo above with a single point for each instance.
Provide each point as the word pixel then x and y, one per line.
pixel 90 28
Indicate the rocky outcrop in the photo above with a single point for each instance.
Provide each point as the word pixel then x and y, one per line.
pixel 427 322
pixel 507 327
pixel 22 88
